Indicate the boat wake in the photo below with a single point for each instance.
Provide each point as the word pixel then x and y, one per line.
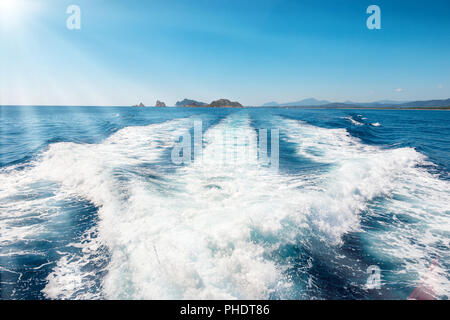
pixel 232 229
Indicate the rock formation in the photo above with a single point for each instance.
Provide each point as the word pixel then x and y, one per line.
pixel 160 104
pixel 225 103
pixel 190 103
pixel 221 103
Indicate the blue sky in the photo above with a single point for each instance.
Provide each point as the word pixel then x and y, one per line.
pixel 253 51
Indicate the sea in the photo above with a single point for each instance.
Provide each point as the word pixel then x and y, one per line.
pixel 152 203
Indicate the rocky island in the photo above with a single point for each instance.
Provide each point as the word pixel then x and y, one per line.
pixel 140 105
pixel 160 104
pixel 221 103
pixel 190 103
pixel 225 103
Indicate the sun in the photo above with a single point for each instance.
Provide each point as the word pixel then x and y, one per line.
pixel 12 12
pixel 8 6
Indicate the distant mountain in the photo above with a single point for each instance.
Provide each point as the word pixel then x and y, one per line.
pixel 271 104
pixel 391 102
pixel 394 104
pixel 376 104
pixel 427 104
pixel 189 102
pixel 305 102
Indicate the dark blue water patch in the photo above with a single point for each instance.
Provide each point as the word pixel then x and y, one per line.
pixel 337 270
pixel 396 282
pixel 329 271
pixel 438 157
pixel 25 264
pixel 27 279
pixel 365 133
pixel 325 271
pixel 318 269
pixel 354 250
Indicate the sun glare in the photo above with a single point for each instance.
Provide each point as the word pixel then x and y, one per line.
pixel 8 6
pixel 12 12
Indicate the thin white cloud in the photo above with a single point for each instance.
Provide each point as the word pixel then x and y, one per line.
pixel 440 86
pixel 399 90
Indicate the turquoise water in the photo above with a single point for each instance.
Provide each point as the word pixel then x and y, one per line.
pixel 92 205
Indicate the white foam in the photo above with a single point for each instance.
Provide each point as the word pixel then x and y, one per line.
pixel 72 278
pixel 195 242
pixel 192 234
pixel 359 173
pixel 353 121
pixel 90 171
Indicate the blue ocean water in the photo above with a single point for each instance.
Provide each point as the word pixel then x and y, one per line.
pixel 93 207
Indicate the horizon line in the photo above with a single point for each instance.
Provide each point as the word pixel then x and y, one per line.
pixel 349 102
